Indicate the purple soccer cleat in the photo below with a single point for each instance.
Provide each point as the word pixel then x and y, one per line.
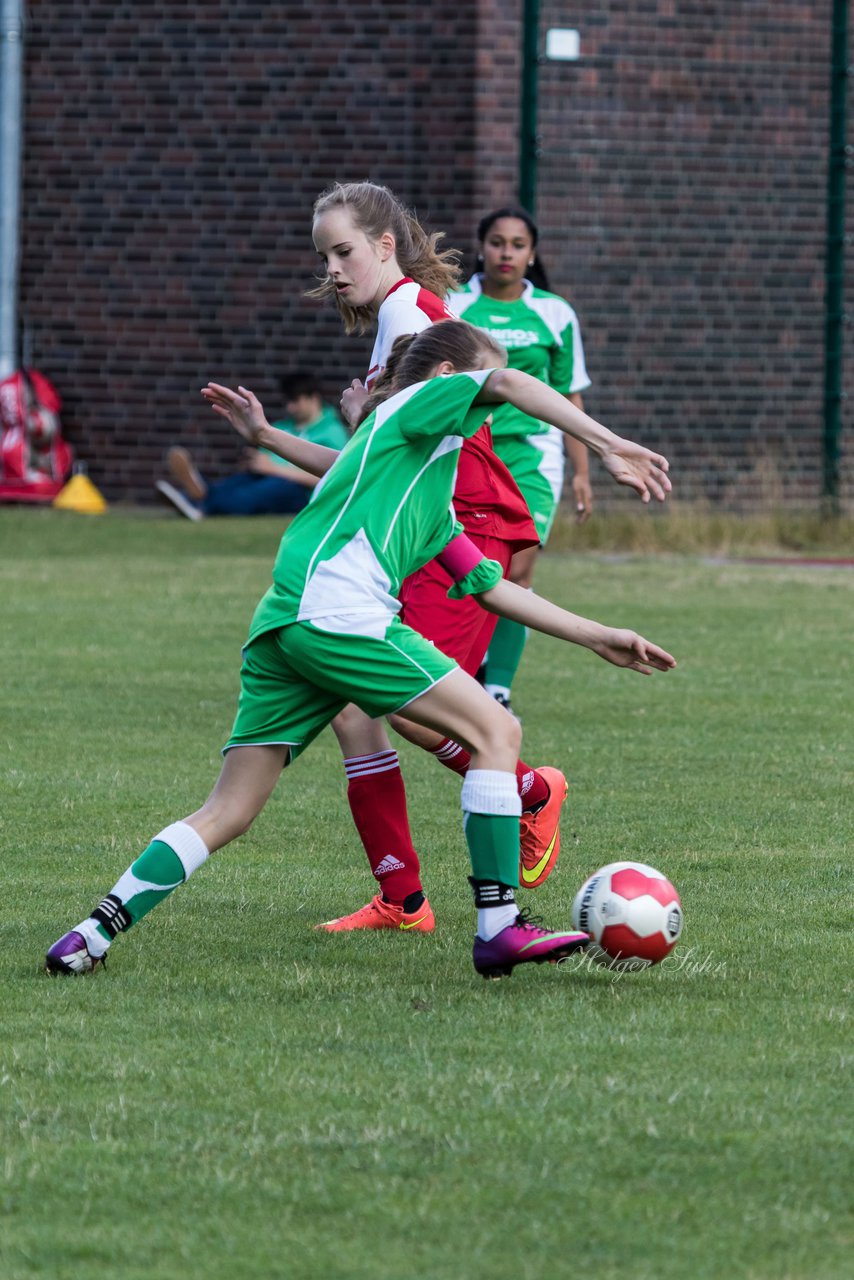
pixel 524 942
pixel 70 955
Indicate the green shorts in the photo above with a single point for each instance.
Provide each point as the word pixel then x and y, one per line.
pixel 294 680
pixel 537 465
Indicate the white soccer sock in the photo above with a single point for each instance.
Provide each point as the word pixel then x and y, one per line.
pixel 497 691
pixel 97 945
pixel 491 920
pixel 490 792
pixel 187 845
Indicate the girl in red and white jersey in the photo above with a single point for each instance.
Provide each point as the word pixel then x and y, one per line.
pixel 382 267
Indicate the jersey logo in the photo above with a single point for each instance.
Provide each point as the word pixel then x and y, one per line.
pixel 500 319
pixel 517 337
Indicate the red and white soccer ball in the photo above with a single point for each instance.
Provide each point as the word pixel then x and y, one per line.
pixel 632 913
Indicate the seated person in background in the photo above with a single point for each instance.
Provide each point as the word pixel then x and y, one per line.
pixel 267 486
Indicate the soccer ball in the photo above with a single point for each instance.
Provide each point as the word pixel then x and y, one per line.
pixel 632 913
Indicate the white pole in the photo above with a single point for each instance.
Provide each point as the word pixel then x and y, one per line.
pixel 11 146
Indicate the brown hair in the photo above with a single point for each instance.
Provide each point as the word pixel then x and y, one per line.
pixel 414 356
pixel 375 211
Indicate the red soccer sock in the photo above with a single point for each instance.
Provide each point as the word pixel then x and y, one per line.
pixel 533 788
pixel 452 756
pixel 378 804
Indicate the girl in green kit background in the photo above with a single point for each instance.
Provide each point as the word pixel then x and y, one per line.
pixel 510 299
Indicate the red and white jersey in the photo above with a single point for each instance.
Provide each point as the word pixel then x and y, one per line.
pixel 487 501
pixel 406 308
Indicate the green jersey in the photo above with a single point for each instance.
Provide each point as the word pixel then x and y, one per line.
pixel 382 511
pixel 329 430
pixel 542 337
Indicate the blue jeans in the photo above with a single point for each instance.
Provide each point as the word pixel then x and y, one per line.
pixel 247 494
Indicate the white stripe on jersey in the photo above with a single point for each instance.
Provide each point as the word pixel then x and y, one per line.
pixel 381 415
pixel 446 445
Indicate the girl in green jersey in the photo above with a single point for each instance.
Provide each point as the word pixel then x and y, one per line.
pixel 327 633
pixel 509 297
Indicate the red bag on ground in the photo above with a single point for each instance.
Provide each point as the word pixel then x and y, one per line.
pixel 35 461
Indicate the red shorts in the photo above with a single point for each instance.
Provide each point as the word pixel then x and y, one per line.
pixel 460 628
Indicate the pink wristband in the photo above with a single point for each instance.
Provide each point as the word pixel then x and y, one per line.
pixel 459 557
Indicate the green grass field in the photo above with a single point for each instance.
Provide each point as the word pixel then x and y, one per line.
pixel 238 1096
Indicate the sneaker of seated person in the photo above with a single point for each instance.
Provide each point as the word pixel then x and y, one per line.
pixel 179 500
pixel 185 474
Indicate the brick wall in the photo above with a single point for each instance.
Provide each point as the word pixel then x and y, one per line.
pixel 682 196
pixel 173 151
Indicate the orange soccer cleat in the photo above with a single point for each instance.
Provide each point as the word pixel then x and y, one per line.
pixel 384 915
pixel 539 833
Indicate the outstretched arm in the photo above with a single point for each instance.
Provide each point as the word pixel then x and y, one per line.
pixel 261 464
pixel 630 464
pixel 622 648
pixel 582 494
pixel 245 412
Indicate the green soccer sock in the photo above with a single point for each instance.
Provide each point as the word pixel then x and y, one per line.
pixel 168 861
pixel 491 811
pixel 493 848
pixel 505 653
pixel 156 872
